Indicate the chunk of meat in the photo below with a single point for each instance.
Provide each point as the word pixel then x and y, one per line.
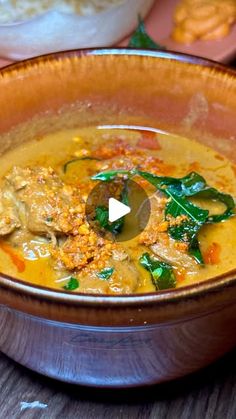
pixel 169 252
pixel 88 254
pixel 156 205
pixel 39 201
pixel 156 237
pixel 125 278
pixel 9 219
pixel 92 285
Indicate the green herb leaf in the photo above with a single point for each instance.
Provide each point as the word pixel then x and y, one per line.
pixel 226 199
pixel 110 175
pixel 162 273
pixel 67 164
pixel 105 273
pixel 178 189
pixel 186 186
pixel 102 215
pixel 193 185
pixel 187 229
pixel 72 284
pixel 125 194
pixel 195 252
pixel 180 206
pixel 140 38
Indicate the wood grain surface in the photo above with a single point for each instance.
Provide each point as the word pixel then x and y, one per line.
pixel 210 394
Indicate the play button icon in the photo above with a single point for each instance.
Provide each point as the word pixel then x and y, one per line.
pixel 117 210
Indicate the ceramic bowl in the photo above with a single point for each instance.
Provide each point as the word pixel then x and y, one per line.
pixel 56 30
pixel 118 341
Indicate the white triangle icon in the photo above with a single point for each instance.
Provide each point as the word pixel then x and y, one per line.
pixel 117 210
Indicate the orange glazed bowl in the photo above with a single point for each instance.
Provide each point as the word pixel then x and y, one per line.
pixel 118 341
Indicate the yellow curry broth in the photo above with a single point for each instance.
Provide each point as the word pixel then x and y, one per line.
pixel 173 156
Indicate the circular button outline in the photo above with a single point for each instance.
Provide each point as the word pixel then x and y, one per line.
pixel 126 191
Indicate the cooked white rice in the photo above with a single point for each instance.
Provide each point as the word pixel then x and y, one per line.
pixel 18 10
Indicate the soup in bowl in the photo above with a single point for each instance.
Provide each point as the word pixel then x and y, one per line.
pixel 117 228
pixel 55 228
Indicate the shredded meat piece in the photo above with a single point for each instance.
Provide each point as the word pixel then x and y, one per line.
pixel 124 279
pixel 170 253
pixel 39 201
pixel 9 220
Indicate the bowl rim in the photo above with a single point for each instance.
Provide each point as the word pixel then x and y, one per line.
pixel 197 289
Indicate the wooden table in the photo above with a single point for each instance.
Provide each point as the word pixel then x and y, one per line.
pixel 209 394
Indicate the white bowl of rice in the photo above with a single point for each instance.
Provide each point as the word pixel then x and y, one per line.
pixel 32 27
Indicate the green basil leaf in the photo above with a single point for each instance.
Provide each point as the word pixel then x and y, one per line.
pixel 110 175
pixel 178 189
pixel 181 206
pixel 195 252
pixel 72 284
pixel 193 185
pixel 102 216
pixel 188 229
pixel 140 38
pixel 226 199
pixel 67 164
pixel 125 194
pixel 162 273
pixel 195 217
pixel 160 182
pixel 106 273
pixel 186 186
